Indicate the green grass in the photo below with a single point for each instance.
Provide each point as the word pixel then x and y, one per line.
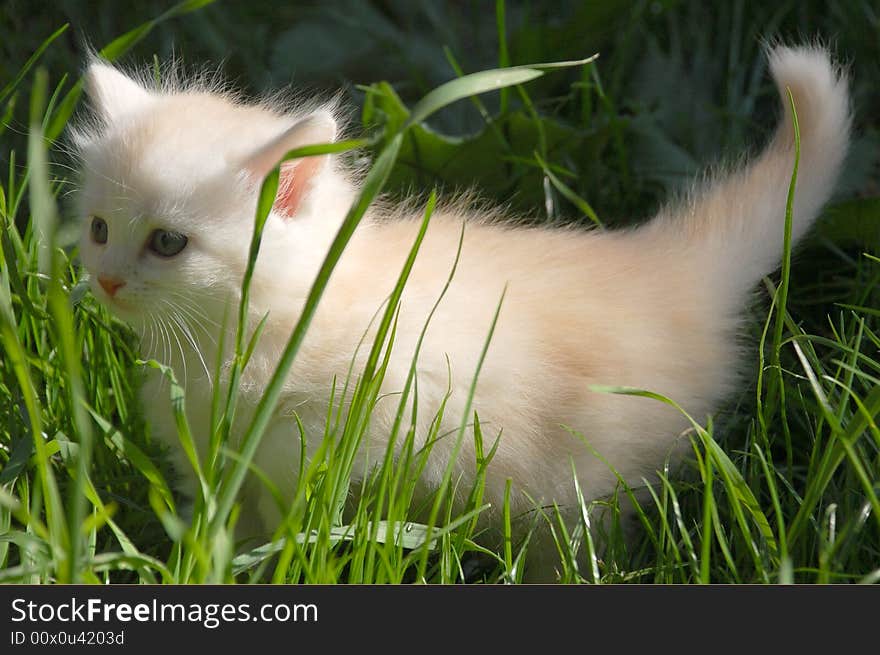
pixel 782 485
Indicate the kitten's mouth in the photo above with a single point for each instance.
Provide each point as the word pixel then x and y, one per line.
pixel 124 308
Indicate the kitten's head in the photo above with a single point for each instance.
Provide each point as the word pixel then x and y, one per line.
pixel 170 178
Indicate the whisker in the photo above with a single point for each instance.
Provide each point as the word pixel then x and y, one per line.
pixel 190 304
pixel 152 335
pixel 197 317
pixel 171 327
pixel 166 342
pixel 179 318
pixel 187 334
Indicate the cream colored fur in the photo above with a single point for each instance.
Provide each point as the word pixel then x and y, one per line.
pixel 655 308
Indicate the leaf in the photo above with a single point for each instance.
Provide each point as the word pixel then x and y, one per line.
pixel 736 485
pixel 855 221
pixel 122 44
pixel 15 281
pixel 178 407
pixel 4 124
pixel 832 458
pixel 184 7
pixel 481 82
pixel 111 52
pixel 566 191
pixel 372 185
pixel 18 459
pixel 136 456
pixel 44 213
pixel 407 535
pixel 9 88
pixel 469 85
pixel 505 171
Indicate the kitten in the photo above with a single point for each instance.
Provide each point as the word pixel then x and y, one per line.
pixel 170 181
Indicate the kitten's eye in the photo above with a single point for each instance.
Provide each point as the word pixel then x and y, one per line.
pixel 99 230
pixel 165 243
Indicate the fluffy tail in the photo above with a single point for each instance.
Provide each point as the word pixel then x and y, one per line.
pixel 738 221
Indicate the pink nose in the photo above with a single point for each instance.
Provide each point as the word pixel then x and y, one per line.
pixel 110 285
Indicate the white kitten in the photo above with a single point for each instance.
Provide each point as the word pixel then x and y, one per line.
pixel 169 195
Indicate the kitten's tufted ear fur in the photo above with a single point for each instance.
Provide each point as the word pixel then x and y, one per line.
pixel 113 93
pixel 297 175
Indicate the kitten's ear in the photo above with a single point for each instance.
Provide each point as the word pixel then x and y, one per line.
pixel 297 175
pixel 112 93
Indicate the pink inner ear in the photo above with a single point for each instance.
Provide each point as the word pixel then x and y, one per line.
pixel 295 181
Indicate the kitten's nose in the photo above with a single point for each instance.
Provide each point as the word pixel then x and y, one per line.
pixel 110 284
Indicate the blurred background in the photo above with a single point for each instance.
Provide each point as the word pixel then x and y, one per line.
pixel 679 84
